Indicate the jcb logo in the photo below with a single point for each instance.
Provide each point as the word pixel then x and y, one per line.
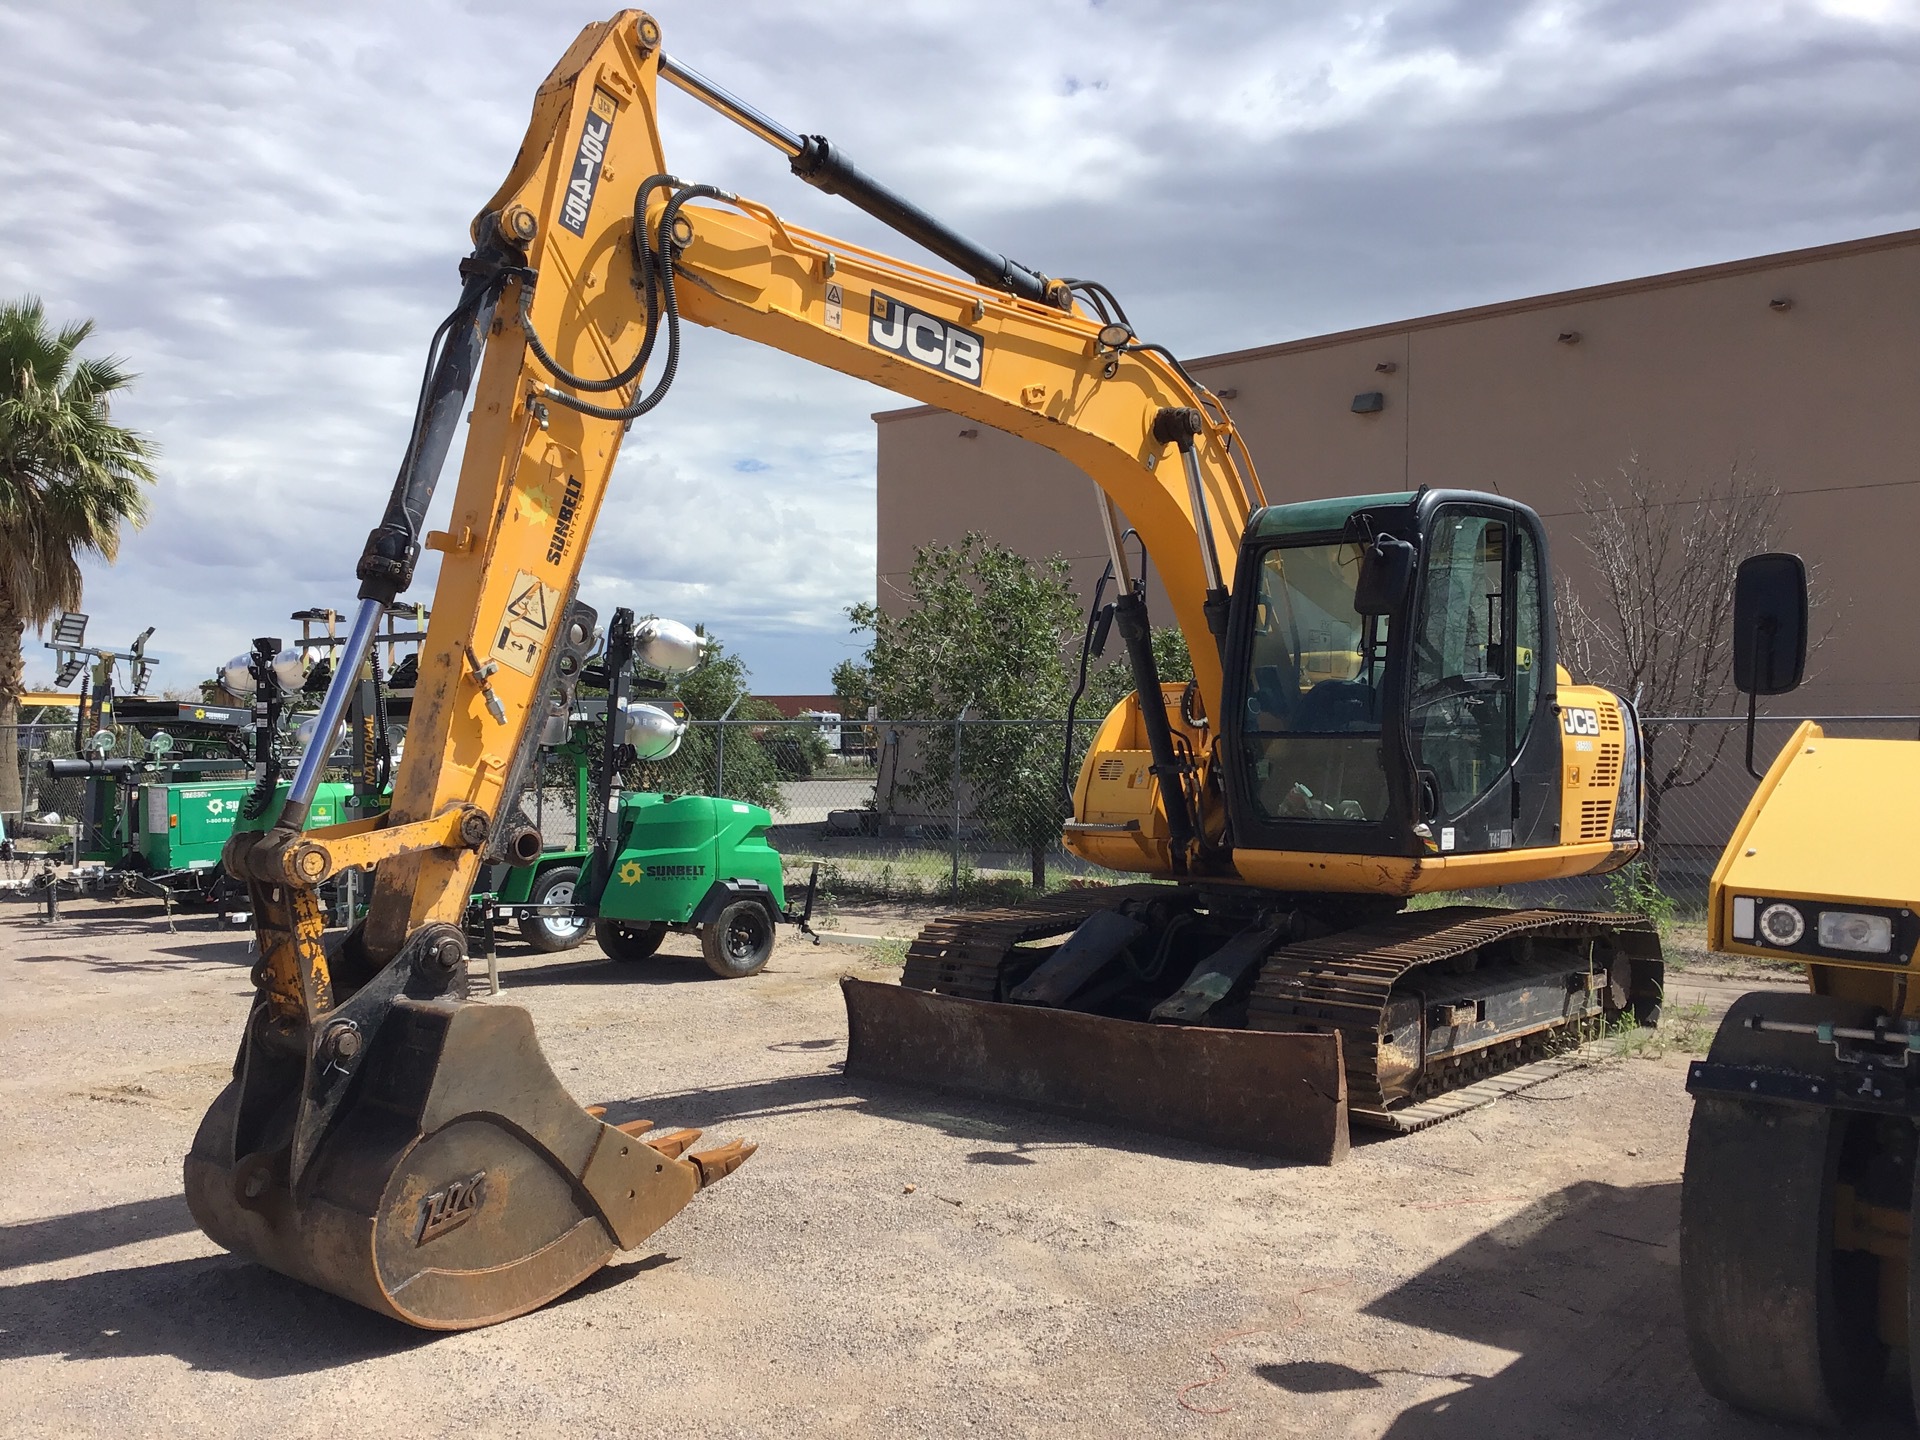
pixel 1577 721
pixel 452 1207
pixel 937 344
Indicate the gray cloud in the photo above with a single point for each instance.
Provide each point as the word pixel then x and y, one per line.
pixel 263 207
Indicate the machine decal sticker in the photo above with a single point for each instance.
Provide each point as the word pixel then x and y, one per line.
pixel 675 872
pixel 587 161
pixel 937 344
pixel 563 522
pixel 835 299
pixel 1578 721
pixel 521 641
pixel 630 873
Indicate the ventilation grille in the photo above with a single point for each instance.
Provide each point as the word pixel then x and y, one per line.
pixel 1610 720
pixel 1596 819
pixel 1112 769
pixel 1606 768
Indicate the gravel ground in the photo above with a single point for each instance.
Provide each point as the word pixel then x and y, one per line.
pixel 891 1262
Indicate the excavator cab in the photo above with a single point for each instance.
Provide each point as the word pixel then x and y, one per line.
pixel 1388 665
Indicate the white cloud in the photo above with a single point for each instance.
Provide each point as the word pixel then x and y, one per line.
pixel 263 207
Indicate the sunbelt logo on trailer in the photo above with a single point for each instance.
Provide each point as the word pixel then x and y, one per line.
pixel 938 344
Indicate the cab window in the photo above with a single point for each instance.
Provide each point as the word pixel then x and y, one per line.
pixel 1312 724
pixel 1475 677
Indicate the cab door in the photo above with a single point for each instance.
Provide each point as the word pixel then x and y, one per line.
pixel 1479 675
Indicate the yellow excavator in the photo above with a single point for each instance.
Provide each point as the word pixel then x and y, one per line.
pixel 1377 713
pixel 1796 1261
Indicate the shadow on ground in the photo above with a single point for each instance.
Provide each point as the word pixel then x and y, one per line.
pixel 215 1312
pixel 1022 1132
pixel 187 953
pixel 592 968
pixel 1584 1287
pixel 61 1237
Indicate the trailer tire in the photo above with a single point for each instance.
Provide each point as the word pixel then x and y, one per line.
pixel 1780 1323
pixel 739 940
pixel 628 940
pixel 551 934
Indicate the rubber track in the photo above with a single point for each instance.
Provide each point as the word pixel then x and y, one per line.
pixel 1342 982
pixel 962 954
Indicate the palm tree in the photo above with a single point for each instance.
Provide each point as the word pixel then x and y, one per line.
pixel 69 480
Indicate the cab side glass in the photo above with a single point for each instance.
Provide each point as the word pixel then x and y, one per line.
pixel 1769 624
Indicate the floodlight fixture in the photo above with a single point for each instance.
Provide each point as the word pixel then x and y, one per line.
pixel 69 668
pixel 70 630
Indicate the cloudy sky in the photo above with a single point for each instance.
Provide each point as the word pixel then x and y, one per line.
pixel 262 206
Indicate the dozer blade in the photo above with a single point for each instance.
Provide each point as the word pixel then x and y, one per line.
pixel 1271 1093
pixel 457 1185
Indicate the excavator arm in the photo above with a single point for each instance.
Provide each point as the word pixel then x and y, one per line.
pixel 382 1137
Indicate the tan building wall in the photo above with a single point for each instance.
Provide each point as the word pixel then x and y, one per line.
pixel 1692 371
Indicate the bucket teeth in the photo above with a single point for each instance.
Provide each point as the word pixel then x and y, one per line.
pixel 721 1161
pixel 634 1127
pixel 674 1143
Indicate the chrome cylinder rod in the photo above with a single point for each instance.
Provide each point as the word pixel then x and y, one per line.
pixel 347 662
pixel 1202 519
pixel 815 160
pixel 731 106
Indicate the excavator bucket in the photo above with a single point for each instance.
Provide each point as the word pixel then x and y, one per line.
pixel 457 1183
pixel 1272 1093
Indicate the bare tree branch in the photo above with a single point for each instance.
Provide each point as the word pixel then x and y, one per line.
pixel 1659 626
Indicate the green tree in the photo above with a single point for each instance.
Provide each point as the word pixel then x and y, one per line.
pixel 70 481
pixel 853 689
pixel 985 633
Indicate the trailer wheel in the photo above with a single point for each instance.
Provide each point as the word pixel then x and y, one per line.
pixel 628 940
pixel 1779 1323
pixel 739 940
pixel 551 933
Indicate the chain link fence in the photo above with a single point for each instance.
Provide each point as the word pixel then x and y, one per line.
pixel 50 806
pixel 944 810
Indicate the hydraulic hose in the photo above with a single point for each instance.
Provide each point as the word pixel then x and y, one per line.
pixel 643 265
pixel 1080 685
pixel 392 550
pixel 669 311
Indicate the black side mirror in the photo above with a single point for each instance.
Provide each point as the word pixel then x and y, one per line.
pixel 1769 624
pixel 1386 573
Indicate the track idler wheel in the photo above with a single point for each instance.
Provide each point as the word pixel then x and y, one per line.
pixel 458 1184
pixel 1778 1321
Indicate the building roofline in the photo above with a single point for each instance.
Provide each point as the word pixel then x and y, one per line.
pixel 1667 280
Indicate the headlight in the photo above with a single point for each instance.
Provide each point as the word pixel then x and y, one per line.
pixel 1782 925
pixel 1851 930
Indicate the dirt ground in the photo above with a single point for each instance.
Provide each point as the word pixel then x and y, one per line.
pixel 891 1263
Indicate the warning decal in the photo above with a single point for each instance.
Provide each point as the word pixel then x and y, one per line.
pixel 531 605
pixel 521 641
pixel 835 298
